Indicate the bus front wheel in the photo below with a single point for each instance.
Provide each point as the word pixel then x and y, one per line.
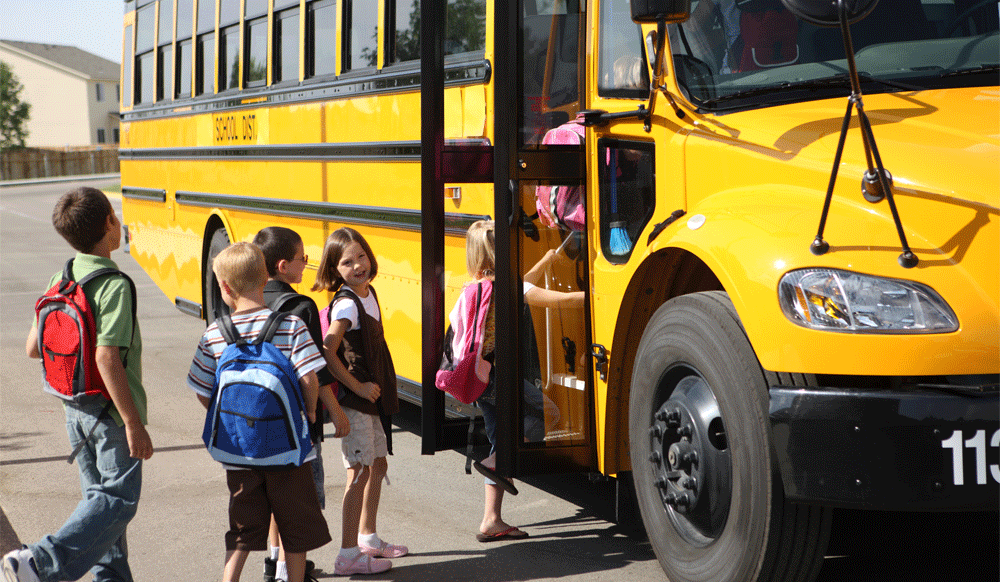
pixel 708 489
pixel 214 306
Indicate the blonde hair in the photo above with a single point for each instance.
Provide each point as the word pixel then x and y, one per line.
pixel 241 265
pixel 480 253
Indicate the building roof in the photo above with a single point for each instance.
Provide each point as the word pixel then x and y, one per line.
pixel 70 57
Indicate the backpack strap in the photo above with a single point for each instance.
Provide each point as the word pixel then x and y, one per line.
pixel 68 277
pixel 279 302
pixel 229 331
pixel 270 327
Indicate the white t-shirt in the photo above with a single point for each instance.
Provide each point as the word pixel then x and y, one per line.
pixel 345 308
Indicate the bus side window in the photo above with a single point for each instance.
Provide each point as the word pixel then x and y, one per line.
pixel 360 34
pixel 145 78
pixel 321 32
pixel 255 43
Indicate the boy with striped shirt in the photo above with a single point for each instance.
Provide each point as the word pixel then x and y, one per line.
pixel 257 493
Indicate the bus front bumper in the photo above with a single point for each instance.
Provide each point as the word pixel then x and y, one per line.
pixel 921 449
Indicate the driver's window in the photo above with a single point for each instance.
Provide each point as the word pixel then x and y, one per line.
pixel 622 68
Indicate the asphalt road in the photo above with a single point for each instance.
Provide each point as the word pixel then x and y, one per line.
pixel 431 505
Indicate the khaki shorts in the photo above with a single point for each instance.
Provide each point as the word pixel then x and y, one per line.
pixel 366 442
pixel 254 494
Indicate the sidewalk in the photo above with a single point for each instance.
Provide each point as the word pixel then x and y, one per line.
pixel 52 179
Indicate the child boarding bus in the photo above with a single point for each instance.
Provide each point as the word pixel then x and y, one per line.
pixel 784 217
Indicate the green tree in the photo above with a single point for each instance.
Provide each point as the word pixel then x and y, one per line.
pixel 13 112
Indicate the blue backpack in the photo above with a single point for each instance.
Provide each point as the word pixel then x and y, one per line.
pixel 257 415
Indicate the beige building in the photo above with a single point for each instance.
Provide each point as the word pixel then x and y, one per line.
pixel 74 94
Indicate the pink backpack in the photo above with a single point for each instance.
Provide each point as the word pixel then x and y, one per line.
pixel 562 206
pixel 466 375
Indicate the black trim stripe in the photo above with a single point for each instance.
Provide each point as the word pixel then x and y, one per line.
pixel 154 194
pixel 397 218
pixel 462 72
pixel 402 151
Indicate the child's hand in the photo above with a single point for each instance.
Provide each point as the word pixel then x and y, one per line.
pixel 369 391
pixel 341 425
pixel 140 446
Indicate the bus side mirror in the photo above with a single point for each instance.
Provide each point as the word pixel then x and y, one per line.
pixel 661 10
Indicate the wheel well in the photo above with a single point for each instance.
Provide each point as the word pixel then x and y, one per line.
pixel 667 274
pixel 214 223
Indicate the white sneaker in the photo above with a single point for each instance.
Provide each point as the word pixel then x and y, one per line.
pixel 19 566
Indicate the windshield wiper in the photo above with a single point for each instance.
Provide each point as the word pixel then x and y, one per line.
pixel 988 68
pixel 834 81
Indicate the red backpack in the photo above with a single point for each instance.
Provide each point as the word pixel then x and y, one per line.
pixel 67 336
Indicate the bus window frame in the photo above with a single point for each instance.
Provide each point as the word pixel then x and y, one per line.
pixel 291 13
pixel 248 24
pixel 223 61
pixel 180 69
pixel 200 63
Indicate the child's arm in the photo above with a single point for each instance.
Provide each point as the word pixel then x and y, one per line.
pixel 534 274
pixel 32 346
pixel 334 336
pixel 109 364
pixel 206 402
pixel 539 297
pixel 310 391
pixel 341 425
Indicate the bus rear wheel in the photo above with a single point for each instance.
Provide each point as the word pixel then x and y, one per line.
pixel 214 306
pixel 709 493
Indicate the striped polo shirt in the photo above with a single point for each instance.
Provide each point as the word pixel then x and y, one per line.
pixel 292 338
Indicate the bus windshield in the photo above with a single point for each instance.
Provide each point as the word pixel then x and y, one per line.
pixel 757 54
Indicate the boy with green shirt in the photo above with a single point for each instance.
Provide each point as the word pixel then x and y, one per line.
pixel 110 461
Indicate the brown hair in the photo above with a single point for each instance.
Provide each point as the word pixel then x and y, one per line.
pixel 278 244
pixel 241 266
pixel 81 216
pixel 327 277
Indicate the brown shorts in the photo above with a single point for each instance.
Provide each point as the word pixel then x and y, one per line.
pixel 290 494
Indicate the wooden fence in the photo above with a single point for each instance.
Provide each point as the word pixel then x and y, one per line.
pixel 28 163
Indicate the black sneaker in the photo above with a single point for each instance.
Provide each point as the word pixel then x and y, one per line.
pixel 270 568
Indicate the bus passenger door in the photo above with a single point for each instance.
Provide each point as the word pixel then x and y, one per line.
pixel 621 201
pixel 551 419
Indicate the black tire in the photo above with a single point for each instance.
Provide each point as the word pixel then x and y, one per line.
pixel 214 306
pixel 708 489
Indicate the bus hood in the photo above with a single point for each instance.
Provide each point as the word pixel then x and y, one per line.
pixel 943 143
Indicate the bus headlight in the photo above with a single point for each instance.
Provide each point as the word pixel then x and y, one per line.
pixel 834 300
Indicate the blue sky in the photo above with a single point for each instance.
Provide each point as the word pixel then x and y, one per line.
pixel 92 25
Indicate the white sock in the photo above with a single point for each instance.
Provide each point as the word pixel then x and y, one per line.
pixel 281 572
pixel 371 540
pixel 274 553
pixel 350 553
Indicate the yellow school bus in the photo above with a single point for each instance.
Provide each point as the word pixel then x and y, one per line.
pixel 784 217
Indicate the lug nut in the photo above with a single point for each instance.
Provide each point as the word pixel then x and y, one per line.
pixel 690 457
pixel 655 457
pixel 656 431
pixel 691 483
pixel 684 500
pixel 661 415
pixel 685 431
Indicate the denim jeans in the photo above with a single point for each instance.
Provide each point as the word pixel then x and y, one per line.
pixel 93 538
pixel 534 418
